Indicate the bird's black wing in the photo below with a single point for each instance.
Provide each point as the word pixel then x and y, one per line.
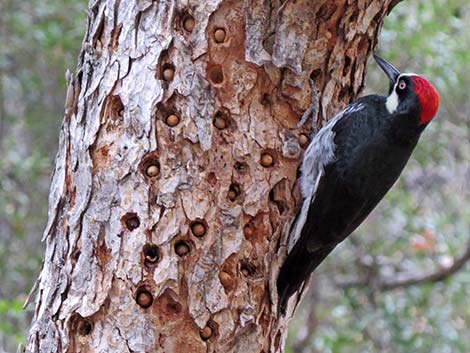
pixel 335 207
pixel 342 198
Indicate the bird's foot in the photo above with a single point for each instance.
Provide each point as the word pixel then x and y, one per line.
pixel 312 110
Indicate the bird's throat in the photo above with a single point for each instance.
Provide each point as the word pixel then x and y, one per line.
pixel 392 102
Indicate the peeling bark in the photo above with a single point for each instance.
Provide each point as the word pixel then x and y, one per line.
pixel 174 185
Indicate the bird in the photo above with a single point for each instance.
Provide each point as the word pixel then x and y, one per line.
pixel 349 166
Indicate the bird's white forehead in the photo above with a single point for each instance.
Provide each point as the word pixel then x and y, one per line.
pixel 406 74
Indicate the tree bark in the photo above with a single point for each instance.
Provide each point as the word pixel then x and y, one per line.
pixel 175 179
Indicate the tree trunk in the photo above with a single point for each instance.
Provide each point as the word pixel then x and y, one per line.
pixel 174 185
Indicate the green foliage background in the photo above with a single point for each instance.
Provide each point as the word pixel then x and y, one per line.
pixel 423 222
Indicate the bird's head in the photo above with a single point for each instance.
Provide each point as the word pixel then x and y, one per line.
pixel 409 91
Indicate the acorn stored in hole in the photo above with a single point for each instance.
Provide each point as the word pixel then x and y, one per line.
pixel 219 122
pixel 233 192
pixel 144 299
pixel 132 222
pixel 219 35
pixel 198 229
pixel 188 23
pixel 206 333
pixel 168 73
pixel 182 248
pixel 267 160
pixel 172 120
pixel 152 170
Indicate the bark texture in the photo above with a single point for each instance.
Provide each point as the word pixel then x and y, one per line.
pixel 174 185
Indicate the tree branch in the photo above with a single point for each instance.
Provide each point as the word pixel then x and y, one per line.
pixel 432 277
pixel 406 280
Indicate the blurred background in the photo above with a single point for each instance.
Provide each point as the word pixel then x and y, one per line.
pixel 400 284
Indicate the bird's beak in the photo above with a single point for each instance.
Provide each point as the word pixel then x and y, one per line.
pixel 391 71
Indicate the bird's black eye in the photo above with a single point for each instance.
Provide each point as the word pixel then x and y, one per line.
pixel 401 85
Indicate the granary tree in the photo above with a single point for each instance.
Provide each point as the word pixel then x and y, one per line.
pixel 175 179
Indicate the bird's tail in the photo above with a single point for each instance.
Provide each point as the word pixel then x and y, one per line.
pixel 288 282
pixel 299 264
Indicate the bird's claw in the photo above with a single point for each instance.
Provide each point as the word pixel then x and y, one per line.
pixel 312 110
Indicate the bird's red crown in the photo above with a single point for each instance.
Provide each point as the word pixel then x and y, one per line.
pixel 428 99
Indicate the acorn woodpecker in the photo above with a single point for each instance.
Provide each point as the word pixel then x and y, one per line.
pixel 349 166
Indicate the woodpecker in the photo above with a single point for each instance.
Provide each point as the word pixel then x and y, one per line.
pixel 348 168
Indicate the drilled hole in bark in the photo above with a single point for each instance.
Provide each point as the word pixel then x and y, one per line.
pixel 267 159
pixel 220 121
pixel 168 112
pixel 215 74
pixel 199 228
pixel 152 170
pixel 188 22
pixel 233 192
pixel 266 100
pixel 212 179
pixel 241 167
pixel 131 221
pixel 172 120
pixel 247 268
pixel 210 330
pixel 168 72
pixel 80 325
pixel 278 195
pixel 144 297
pixel 150 166
pixel 219 35
pixel 182 248
pixel 315 74
pixel 206 333
pixel 84 327
pixel 151 254
pixel 281 206
pixel 247 231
